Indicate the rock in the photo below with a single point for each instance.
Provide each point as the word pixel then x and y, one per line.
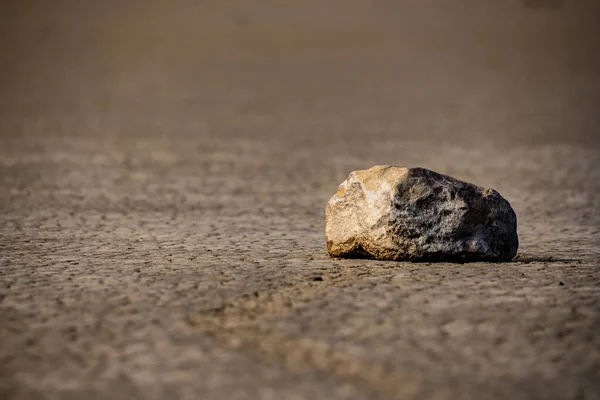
pixel 394 213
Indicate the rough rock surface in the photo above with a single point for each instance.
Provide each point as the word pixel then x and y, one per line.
pixel 394 213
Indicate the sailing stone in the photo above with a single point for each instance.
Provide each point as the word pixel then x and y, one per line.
pixel 414 214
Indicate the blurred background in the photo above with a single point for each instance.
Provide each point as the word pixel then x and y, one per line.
pixel 483 69
pixel 162 162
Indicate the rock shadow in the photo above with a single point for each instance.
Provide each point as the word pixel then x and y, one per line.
pixel 528 259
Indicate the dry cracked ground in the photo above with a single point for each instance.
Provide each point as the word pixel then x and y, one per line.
pixel 164 169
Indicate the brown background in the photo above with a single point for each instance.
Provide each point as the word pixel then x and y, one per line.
pixel 164 168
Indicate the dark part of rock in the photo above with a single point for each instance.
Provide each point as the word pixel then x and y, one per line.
pixel 393 213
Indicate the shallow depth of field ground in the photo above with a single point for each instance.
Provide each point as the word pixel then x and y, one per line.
pixel 164 169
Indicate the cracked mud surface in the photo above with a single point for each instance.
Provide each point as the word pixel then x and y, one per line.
pixel 163 185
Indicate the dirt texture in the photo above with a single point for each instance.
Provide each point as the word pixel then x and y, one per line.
pixel 164 171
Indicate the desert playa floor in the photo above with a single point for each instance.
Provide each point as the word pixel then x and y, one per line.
pixel 164 170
